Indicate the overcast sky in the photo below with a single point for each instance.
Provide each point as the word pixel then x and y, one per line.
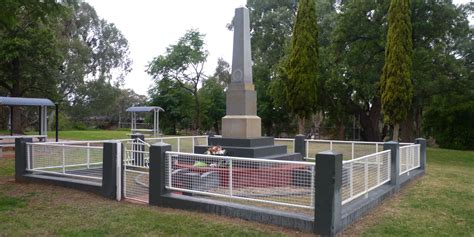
pixel 151 25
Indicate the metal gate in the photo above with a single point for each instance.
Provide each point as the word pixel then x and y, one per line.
pixel 136 170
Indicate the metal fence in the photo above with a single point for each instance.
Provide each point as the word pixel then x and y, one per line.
pixel 349 149
pixel 82 160
pixel 137 153
pixel 136 170
pixel 137 158
pixel 181 144
pixel 363 174
pixel 289 142
pixel 409 158
pixel 273 182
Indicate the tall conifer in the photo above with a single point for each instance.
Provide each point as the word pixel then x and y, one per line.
pixel 302 66
pixel 395 82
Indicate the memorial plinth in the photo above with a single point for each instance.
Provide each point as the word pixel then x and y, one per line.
pixel 241 127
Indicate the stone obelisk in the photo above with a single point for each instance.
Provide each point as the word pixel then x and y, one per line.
pixel 241 120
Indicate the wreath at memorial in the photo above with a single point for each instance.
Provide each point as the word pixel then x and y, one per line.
pixel 215 150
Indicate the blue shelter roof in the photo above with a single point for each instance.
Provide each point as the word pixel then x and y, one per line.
pixel 144 109
pixel 20 101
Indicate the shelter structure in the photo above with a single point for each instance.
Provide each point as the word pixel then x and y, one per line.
pixel 42 105
pixel 145 109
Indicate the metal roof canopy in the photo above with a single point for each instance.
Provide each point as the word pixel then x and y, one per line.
pixel 156 118
pixel 144 109
pixel 43 111
pixel 20 101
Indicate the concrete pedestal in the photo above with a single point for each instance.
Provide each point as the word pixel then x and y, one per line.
pixel 241 126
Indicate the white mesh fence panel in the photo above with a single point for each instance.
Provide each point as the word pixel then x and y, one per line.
pixel 284 183
pixel 361 175
pixel 348 149
pixel 288 142
pixel 181 144
pixel 136 184
pixel 136 170
pixel 81 160
pixel 409 158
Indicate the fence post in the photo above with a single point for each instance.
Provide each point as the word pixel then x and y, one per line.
pixel 157 171
pixel 394 162
pixel 109 170
pixel 21 155
pixel 300 146
pixel 137 157
pixel 327 188
pixel 422 143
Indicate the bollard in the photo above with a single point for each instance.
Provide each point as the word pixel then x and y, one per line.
pixel 109 170
pixel 394 163
pixel 157 186
pixel 327 196
pixel 300 146
pixel 21 156
pixel 422 143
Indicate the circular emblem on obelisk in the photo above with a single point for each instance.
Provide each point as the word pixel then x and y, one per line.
pixel 237 75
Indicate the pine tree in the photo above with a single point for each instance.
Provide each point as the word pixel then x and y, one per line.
pixel 395 83
pixel 302 64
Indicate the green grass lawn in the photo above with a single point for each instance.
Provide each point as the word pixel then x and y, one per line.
pixel 439 204
pixel 91 134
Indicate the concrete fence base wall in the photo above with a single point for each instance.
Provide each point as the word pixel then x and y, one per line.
pixel 330 216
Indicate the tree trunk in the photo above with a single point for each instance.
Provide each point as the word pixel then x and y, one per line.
pixel 16 92
pixel 418 121
pixel 301 123
pixel 317 119
pixel 396 129
pixel 197 124
pixel 407 129
pixel 369 120
pixel 340 131
pixel 216 127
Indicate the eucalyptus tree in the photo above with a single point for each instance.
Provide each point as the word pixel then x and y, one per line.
pixel 30 55
pixel 183 62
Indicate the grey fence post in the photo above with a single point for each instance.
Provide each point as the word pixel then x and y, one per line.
pixel 394 162
pixel 157 186
pixel 109 170
pixel 422 143
pixel 300 146
pixel 138 156
pixel 21 156
pixel 327 196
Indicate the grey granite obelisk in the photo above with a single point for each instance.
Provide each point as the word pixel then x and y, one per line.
pixel 241 120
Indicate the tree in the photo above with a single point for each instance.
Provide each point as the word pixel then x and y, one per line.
pixel 395 83
pixel 93 49
pixel 212 96
pixel 177 103
pixel 29 50
pixel 357 53
pixel 183 63
pixel 302 64
pixel 271 24
pixel 450 117
pixel 223 72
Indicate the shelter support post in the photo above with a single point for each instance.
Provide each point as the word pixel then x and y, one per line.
pixel 57 121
